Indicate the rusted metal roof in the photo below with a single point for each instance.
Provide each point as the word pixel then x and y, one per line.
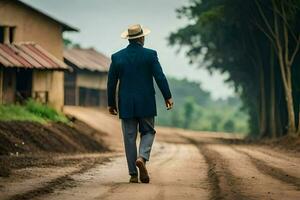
pixel 88 59
pixel 28 55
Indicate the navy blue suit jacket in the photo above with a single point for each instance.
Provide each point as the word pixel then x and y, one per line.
pixel 135 67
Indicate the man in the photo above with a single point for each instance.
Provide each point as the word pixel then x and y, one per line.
pixel 134 67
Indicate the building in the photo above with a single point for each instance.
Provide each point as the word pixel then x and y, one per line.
pixel 24 62
pixel 26 69
pixel 86 84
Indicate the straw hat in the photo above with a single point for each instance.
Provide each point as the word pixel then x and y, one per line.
pixel 135 31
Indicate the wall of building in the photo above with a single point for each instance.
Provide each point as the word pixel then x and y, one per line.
pixel 1 85
pixel 33 26
pixel 8 85
pixel 41 82
pixel 56 97
pixel 103 82
pixel 92 80
pixel 71 96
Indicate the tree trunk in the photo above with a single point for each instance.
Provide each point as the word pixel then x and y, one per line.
pixel 262 112
pixel 279 119
pixel 286 64
pixel 298 132
pixel 280 39
pixel 291 114
pixel 286 76
pixel 272 96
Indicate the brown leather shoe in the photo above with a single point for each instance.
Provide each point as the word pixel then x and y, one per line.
pixel 144 177
pixel 133 179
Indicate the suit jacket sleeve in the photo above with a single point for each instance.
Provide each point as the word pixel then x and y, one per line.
pixel 160 78
pixel 113 76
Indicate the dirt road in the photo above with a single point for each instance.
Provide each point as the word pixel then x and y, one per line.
pixel 184 165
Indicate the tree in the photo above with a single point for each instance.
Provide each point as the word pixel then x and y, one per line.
pixel 189 109
pixel 229 126
pixel 283 16
pixel 175 119
pixel 231 36
pixel 215 122
pixel 68 43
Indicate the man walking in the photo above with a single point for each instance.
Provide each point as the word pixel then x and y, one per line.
pixel 134 67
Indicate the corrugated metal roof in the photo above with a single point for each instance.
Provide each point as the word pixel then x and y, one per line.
pixel 88 59
pixel 28 55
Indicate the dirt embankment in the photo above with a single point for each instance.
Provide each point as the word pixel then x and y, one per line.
pixel 25 144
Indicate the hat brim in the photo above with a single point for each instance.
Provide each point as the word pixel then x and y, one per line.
pixel 125 35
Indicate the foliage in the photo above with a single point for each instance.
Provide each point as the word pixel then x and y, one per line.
pixel 194 109
pixel 238 37
pixel 68 43
pixel 17 112
pixel 31 111
pixel 188 111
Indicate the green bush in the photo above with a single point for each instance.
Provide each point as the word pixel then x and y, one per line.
pixel 229 126
pixel 30 111
pixel 44 111
pixel 17 112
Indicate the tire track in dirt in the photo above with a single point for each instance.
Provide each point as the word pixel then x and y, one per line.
pixel 182 175
pixel 61 182
pixel 223 184
pixel 277 153
pixel 169 178
pixel 161 161
pixel 172 152
pixel 112 188
pixel 57 183
pixel 254 183
pixel 161 192
pixel 275 172
pixel 162 185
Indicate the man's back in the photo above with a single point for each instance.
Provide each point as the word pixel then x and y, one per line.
pixel 135 68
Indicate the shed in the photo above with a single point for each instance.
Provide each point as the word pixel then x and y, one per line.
pixel 86 84
pixel 23 68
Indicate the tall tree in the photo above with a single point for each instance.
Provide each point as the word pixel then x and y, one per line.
pixel 231 36
pixel 280 31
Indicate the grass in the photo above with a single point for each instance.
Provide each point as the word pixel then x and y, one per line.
pixel 31 111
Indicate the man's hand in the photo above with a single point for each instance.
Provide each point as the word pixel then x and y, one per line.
pixel 112 110
pixel 169 103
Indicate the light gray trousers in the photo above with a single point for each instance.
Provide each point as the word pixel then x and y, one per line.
pixel 130 129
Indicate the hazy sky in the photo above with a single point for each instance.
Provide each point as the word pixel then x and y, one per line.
pixel 101 22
